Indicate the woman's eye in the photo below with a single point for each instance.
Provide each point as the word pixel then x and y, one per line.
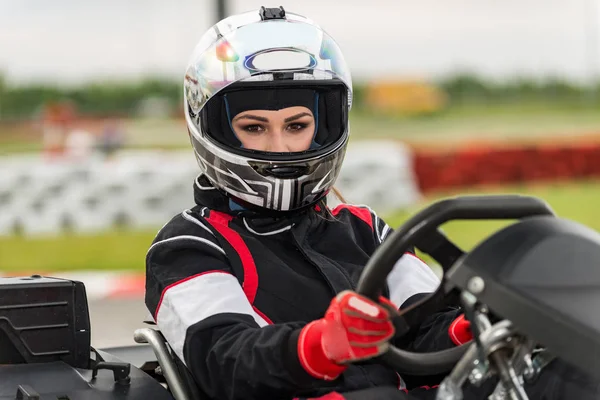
pixel 297 126
pixel 253 128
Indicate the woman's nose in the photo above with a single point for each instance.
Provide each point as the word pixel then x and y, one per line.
pixel 277 142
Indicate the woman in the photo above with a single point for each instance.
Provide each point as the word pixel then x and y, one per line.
pixel 253 287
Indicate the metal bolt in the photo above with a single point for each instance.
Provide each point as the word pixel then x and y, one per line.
pixel 475 376
pixel 476 285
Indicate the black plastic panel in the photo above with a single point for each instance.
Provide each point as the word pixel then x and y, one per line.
pixel 543 274
pixel 59 380
pixel 44 320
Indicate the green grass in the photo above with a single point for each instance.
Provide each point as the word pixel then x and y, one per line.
pixel 123 250
pixel 126 250
pixel 19 147
pixel 464 124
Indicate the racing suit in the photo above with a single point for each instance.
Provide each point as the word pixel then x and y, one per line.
pixel 230 291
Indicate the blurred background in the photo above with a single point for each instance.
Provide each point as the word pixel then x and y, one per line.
pixel 458 97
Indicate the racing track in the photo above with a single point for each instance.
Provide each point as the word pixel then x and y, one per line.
pixel 114 320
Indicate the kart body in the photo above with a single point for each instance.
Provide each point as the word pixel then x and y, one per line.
pixel 541 273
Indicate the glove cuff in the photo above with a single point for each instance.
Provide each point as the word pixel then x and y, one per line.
pixel 460 331
pixel 312 356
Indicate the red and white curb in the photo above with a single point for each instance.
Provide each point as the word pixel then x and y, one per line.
pixel 100 285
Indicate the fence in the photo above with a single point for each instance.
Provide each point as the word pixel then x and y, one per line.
pixel 144 189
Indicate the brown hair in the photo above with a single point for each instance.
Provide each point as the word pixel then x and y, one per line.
pixel 338 194
pixel 324 211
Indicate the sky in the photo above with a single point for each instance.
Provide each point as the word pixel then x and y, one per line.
pixel 73 41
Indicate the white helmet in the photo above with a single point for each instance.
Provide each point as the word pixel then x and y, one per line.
pixel 288 56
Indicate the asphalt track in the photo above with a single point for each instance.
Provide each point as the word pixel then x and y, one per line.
pixel 114 321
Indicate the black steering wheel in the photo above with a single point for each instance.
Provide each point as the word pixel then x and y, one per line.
pixel 421 231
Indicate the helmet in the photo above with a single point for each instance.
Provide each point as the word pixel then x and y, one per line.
pixel 280 56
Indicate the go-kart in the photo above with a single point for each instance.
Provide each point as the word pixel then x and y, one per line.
pixel 529 290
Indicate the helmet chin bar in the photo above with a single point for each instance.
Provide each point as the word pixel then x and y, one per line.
pixel 280 186
pixel 252 210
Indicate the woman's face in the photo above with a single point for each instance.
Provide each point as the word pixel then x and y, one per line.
pixel 287 130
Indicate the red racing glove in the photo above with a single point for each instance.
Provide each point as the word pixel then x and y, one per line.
pixel 460 331
pixel 354 328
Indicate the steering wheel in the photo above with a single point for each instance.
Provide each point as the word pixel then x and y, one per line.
pixel 421 231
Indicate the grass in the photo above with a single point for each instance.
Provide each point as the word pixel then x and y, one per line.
pixel 122 250
pixel 126 250
pixel 472 123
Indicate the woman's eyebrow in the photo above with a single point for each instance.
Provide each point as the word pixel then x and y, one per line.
pixel 250 116
pixel 294 117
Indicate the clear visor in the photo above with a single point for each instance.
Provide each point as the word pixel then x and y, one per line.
pixel 243 47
